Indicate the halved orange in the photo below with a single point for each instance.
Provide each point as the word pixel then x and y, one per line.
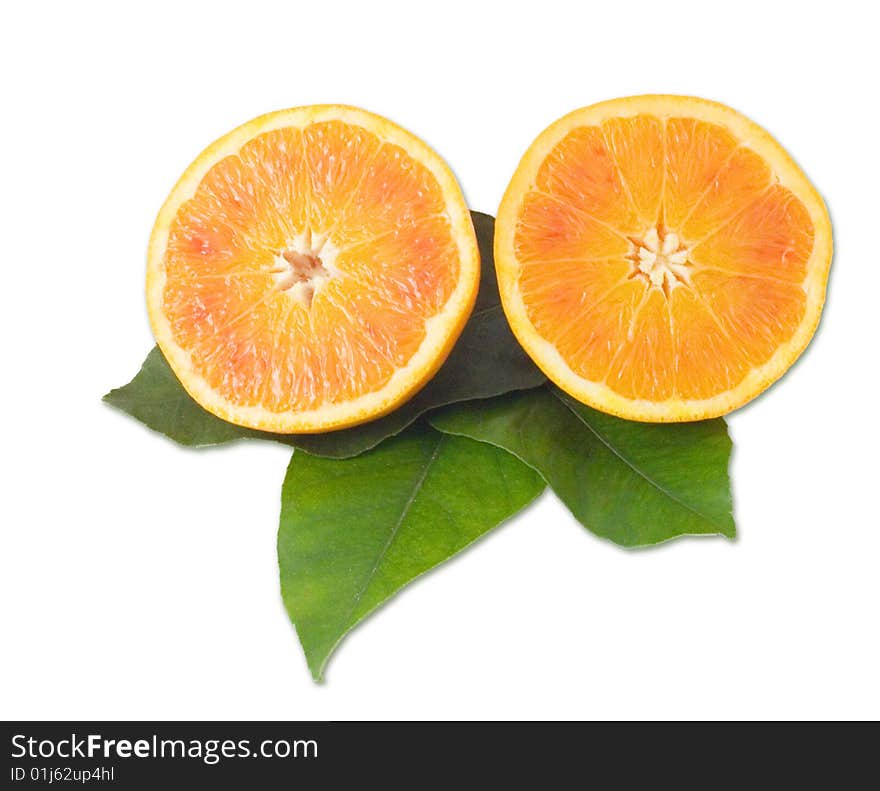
pixel 661 258
pixel 311 270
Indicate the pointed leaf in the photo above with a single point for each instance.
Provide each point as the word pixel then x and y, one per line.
pixel 633 483
pixel 157 399
pixel 355 531
pixel 486 361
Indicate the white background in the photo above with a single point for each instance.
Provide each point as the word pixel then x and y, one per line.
pixel 139 579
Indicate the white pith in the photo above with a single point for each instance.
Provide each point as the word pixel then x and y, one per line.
pixel 299 283
pixel 664 261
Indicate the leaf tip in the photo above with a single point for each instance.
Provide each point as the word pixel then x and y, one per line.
pixel 317 666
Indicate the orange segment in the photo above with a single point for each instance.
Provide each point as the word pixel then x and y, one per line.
pixel 551 230
pixel 754 312
pixel 645 361
pixel 602 289
pixel 337 157
pixel 396 190
pixel 638 147
pixel 311 270
pixel 581 173
pixel 695 151
pixel 771 238
pixel 414 269
pixel 736 185
pixel 594 344
pixel 707 357
pixel 661 257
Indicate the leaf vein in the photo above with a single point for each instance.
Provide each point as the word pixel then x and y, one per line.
pixel 634 467
pixel 394 530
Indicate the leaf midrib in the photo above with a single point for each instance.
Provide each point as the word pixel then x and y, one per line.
pixel 394 531
pixel 632 465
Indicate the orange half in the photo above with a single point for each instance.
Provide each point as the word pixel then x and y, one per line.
pixel 661 258
pixel 311 270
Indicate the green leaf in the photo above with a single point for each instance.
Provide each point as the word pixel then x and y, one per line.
pixel 486 361
pixel 633 483
pixel 353 532
pixel 157 399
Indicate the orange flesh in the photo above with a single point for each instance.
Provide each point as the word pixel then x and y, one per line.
pixel 389 252
pixel 746 240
